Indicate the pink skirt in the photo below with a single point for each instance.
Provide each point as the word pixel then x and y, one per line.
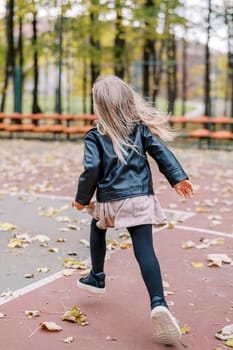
pixel 128 212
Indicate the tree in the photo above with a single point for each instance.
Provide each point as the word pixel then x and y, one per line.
pixel 150 11
pixel 10 54
pixel 229 23
pixel 119 42
pixel 207 98
pixel 172 18
pixel 19 68
pixel 35 103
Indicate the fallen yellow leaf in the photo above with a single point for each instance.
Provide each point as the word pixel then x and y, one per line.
pixel 124 235
pixel 75 315
pixel 201 210
pixel 53 250
pixel 73 264
pixel 113 242
pixel 197 264
pixel 6 226
pixel 229 343
pixel 16 243
pixel 170 225
pixel 126 245
pixel 185 330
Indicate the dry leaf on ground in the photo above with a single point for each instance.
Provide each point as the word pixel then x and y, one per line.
pixel 63 219
pixel 32 313
pixel 229 343
pixel 225 333
pixel 197 264
pixel 67 272
pixel 61 240
pixel 7 294
pixel 124 235
pixel 108 338
pixel 6 226
pixel 69 340
pixel 185 330
pixel 41 238
pixel 17 243
pixel 218 259
pixel 85 242
pixel 73 264
pixel 43 269
pixel 54 250
pixel 50 326
pixel 75 315
pixel 126 245
pixel 188 245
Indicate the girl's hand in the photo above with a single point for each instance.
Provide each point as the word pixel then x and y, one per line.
pixel 185 189
pixel 78 206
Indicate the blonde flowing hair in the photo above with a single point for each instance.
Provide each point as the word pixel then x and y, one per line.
pixel 119 108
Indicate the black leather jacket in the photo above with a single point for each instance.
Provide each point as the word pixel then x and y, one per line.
pixel 114 180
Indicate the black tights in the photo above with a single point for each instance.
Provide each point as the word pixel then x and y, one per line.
pixel 144 252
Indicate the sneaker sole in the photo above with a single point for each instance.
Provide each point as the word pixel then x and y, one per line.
pixel 165 326
pixel 90 288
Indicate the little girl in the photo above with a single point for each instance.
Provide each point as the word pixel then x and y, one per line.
pixel 117 169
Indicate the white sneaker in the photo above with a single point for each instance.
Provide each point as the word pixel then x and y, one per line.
pixel 165 325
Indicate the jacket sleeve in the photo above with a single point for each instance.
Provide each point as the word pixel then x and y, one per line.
pixel 88 179
pixel 168 165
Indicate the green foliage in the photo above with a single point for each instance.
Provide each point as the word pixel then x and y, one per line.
pixel 134 21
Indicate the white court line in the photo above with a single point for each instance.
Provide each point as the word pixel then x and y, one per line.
pixel 31 287
pixel 59 274
pixel 41 283
pixel 203 230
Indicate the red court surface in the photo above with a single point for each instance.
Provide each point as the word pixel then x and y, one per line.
pixel 200 296
pixel 202 300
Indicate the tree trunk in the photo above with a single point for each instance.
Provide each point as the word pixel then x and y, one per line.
pixel 119 43
pixel 35 104
pixel 58 106
pixel 229 21
pixel 148 43
pixel 207 98
pixel 229 75
pixel 10 55
pixel 184 76
pixel 18 87
pixel 171 73
pixel 84 86
pixel 95 47
pixel 146 69
pixel 158 69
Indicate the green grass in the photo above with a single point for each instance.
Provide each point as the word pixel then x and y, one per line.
pixel 47 104
pixel 75 105
pixel 162 105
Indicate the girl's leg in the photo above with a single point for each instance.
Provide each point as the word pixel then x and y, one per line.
pixel 165 325
pixel 95 281
pixel 148 262
pixel 97 247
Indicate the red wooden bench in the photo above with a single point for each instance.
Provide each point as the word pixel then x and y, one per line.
pixel 211 129
pixel 34 125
